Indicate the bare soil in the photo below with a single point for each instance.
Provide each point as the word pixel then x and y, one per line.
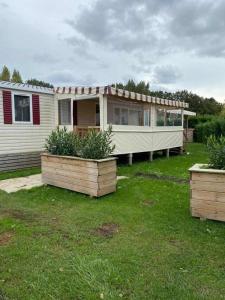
pixel 107 229
pixel 162 177
pixel 5 238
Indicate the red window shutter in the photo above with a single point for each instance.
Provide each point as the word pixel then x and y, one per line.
pixel 7 107
pixel 36 109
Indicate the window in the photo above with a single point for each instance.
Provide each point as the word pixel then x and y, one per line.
pixel 135 117
pixel 124 116
pixel 173 118
pixel 22 108
pixel 126 113
pixel 64 112
pixel 168 118
pixel 147 117
pixel 116 115
pixel 160 118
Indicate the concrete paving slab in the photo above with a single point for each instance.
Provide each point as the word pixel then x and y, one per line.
pixel 16 184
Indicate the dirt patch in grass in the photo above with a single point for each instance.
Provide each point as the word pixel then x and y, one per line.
pixel 5 238
pixel 19 214
pixel 148 202
pixel 107 230
pixel 162 177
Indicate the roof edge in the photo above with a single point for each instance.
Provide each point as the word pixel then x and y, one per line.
pixel 25 87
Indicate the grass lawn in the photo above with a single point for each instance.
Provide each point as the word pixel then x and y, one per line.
pixel 138 243
pixel 20 173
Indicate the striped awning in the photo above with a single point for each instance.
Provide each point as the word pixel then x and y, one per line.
pixel 108 90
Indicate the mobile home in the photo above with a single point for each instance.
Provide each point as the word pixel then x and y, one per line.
pixel 139 123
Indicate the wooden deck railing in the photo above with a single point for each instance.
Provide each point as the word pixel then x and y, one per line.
pixel 82 130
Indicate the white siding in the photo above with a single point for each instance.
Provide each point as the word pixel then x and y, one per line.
pixel 20 138
pixel 134 139
pixel 144 141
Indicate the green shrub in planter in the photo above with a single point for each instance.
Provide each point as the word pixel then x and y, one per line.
pixel 62 142
pixel 216 150
pixel 96 145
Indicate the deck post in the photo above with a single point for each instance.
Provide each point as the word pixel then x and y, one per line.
pixel 130 158
pixel 181 150
pixel 167 153
pixel 151 155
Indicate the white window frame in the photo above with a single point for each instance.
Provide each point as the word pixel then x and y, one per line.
pixel 71 111
pixel 13 108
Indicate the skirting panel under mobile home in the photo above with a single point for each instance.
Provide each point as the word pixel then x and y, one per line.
pixel 136 142
pixel 11 162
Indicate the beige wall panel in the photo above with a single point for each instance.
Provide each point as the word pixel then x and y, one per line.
pixel 20 138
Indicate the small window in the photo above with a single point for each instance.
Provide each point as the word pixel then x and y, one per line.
pixel 22 108
pixel 117 115
pixel 124 116
pixel 173 119
pixel 169 119
pixel 64 112
pixel 146 117
pixel 160 121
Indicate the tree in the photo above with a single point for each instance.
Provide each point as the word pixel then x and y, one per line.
pixel 5 75
pixel 37 82
pixel 141 87
pixel 223 110
pixel 198 104
pixel 16 77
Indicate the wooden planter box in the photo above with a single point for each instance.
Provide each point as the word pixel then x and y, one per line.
pixel 93 177
pixel 207 192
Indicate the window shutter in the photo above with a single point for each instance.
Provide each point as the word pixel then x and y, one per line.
pixel 7 107
pixel 36 109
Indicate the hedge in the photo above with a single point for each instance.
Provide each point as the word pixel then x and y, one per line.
pixel 215 127
pixel 194 121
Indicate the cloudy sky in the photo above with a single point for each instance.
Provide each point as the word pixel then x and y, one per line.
pixel 173 44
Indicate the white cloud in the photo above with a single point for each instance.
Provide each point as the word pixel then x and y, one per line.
pixel 172 44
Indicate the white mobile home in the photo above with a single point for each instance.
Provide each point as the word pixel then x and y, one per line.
pixel 140 123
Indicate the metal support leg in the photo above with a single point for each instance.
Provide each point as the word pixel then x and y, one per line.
pixel 130 157
pixel 151 156
pixel 167 153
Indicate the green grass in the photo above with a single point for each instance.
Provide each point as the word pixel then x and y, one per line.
pixel 176 166
pixel 159 251
pixel 20 173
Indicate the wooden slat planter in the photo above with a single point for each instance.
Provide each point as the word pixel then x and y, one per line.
pixel 93 177
pixel 207 193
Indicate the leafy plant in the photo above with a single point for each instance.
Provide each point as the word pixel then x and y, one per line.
pixel 216 149
pixel 96 145
pixel 61 142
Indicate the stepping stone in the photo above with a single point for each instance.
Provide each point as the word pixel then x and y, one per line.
pixel 121 177
pixel 22 183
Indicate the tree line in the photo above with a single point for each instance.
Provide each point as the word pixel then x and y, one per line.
pixel 16 77
pixel 198 104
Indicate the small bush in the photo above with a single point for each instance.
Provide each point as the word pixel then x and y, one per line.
pixel 94 145
pixel 61 142
pixel 216 150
